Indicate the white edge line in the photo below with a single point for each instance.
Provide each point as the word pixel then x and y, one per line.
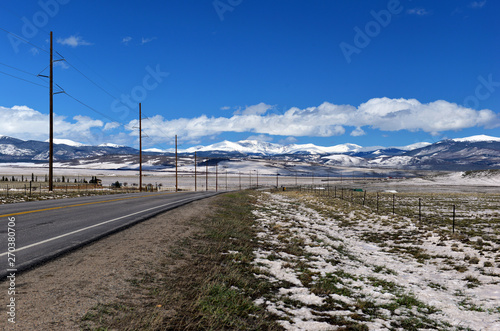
pixel 90 227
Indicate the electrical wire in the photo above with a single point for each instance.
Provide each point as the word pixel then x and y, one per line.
pixel 1 72
pixel 93 109
pixel 111 95
pixel 24 40
pixel 21 70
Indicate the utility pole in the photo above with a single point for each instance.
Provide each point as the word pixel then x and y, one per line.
pixel 195 172
pixel 239 173
pixel 176 180
pixel 51 125
pixel 226 179
pixel 216 176
pixel 140 148
pixel 206 175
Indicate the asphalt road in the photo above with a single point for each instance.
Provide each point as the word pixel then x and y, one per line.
pixel 44 230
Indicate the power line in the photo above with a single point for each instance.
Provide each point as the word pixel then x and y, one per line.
pixel 1 72
pixel 21 70
pixel 113 96
pixel 93 82
pixel 93 109
pixel 24 40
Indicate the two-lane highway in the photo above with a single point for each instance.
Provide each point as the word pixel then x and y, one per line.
pixel 43 230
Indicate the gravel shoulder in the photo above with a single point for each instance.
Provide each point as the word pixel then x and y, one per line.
pixel 58 294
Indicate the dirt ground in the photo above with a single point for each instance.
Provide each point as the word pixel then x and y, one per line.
pixel 56 295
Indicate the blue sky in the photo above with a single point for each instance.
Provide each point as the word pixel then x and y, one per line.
pixel 387 73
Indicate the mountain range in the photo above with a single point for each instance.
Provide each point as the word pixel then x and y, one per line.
pixel 470 153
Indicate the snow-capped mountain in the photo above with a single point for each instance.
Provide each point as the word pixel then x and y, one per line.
pixel 478 138
pixel 17 150
pixel 67 142
pixel 470 153
pixel 255 147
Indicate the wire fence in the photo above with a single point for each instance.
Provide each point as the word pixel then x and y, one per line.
pixel 475 213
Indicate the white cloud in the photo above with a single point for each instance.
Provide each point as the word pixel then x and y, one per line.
pixel 418 12
pixel 225 108
pixel 477 4
pixel 73 41
pixel 147 40
pixel 111 126
pixel 328 120
pixel 261 137
pixel 259 109
pixel 358 132
pixel 61 64
pixel 288 140
pixel 126 40
pixel 25 123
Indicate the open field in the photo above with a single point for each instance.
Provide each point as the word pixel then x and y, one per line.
pixel 335 263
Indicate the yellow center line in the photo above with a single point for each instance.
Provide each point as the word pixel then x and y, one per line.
pixel 80 204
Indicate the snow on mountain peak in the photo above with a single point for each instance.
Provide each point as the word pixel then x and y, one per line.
pixel 67 142
pixel 110 145
pixel 477 138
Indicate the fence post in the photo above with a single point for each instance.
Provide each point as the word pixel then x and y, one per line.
pixel 364 198
pixel 393 204
pixel 7 190
pixel 30 188
pixel 453 218
pixel 420 209
pixel 25 190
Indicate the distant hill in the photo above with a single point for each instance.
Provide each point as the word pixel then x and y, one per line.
pixel 469 153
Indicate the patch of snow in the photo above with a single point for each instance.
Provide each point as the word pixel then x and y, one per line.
pixel 477 138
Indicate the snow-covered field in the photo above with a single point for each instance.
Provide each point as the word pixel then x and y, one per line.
pixel 334 264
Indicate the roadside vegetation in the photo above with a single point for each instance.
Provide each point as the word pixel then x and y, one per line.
pixel 305 260
pixel 211 287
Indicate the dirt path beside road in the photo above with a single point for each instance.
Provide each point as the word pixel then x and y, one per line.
pixel 58 294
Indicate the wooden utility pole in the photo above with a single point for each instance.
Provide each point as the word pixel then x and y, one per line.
pixel 140 148
pixel 206 175
pixel 51 120
pixel 176 180
pixel 195 182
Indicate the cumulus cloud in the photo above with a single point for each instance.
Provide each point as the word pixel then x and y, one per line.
pixel 325 120
pixel 288 140
pixel 329 119
pixel 261 137
pixel 73 41
pixel 259 109
pixel 111 126
pixel 358 132
pixel 25 123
